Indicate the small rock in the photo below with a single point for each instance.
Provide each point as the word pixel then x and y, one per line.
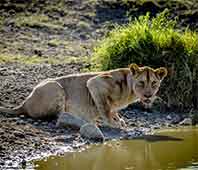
pixel 44 123
pixel 51 125
pixel 20 122
pixel 91 131
pixel 22 116
pixel 64 138
pixel 19 134
pixel 186 121
pixel 30 120
pixel 23 163
pixel 69 120
pixel 1 148
pixel 132 124
pixel 131 134
pixel 176 119
pixel 168 117
pixel 36 123
pixel 156 127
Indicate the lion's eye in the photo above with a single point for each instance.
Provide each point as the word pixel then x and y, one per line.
pixel 141 84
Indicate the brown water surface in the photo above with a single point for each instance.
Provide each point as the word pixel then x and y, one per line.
pixel 165 150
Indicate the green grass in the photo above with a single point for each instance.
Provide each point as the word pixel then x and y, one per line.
pixel 155 42
pixel 186 3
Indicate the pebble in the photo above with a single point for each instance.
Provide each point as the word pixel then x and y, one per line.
pixel 168 117
pixel 23 163
pixel 19 134
pixel 132 124
pixel 22 116
pixel 156 127
pixel 67 119
pixel 44 123
pixel 91 131
pixel 20 122
pixel 64 138
pixel 36 123
pixel 30 120
pixel 186 121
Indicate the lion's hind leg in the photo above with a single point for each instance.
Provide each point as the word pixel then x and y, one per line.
pixel 46 100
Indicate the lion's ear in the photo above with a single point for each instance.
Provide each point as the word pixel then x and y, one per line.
pixel 161 72
pixel 134 68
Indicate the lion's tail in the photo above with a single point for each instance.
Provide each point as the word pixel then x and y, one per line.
pixel 15 111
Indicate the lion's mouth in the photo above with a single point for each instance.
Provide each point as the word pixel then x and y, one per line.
pixel 147 101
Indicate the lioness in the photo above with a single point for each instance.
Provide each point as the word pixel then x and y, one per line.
pixel 92 95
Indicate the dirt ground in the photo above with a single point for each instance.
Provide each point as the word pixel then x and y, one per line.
pixel 54 38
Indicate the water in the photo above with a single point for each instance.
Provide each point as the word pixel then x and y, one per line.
pixel 175 149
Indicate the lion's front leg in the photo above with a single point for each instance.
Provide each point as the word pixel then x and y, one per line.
pixel 114 116
pixel 100 88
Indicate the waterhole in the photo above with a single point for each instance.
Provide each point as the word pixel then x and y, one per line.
pixel 172 149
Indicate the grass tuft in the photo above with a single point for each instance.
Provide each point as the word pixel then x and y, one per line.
pixel 155 42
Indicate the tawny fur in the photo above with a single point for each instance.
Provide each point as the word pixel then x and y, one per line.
pixel 91 95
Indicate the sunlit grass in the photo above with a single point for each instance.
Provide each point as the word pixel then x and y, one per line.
pixel 154 42
pixel 144 40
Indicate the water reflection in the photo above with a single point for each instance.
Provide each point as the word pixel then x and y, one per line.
pixel 168 150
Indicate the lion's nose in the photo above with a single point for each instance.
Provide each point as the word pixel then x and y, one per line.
pixel 147 95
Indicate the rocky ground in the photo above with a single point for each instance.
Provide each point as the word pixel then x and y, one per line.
pixel 58 35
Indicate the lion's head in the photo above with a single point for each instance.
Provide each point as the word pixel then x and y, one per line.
pixel 146 82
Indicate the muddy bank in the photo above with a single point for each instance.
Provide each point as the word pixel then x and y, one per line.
pixel 22 138
pixel 66 31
